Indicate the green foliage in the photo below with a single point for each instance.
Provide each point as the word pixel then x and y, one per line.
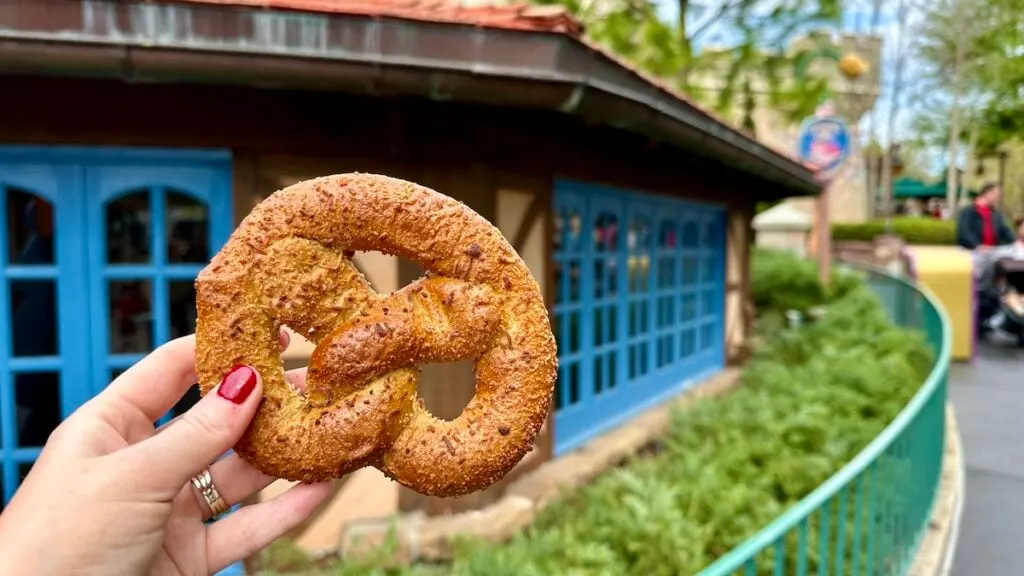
pixel 992 71
pixel 916 231
pixel 282 557
pixel 811 399
pixel 634 30
pixel 782 281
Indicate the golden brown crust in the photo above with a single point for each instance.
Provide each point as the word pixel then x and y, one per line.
pixel 287 264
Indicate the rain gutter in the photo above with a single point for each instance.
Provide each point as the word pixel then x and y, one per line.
pixel 165 42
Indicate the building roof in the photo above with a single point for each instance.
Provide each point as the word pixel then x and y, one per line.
pixel 515 56
pixel 507 17
pixel 527 17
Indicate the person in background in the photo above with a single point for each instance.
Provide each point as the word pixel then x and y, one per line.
pixel 980 225
pixel 1012 291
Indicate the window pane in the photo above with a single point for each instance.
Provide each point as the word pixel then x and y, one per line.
pixel 568 230
pixel 33 318
pixel 23 469
pixel 187 225
pixel 37 398
pixel 710 233
pixel 557 275
pixel 183 308
pixel 689 307
pixel 690 270
pixel 131 317
pixel 30 232
pixel 187 401
pixel 691 234
pixel 606 232
pixel 128 229
pixel 708 273
pixel 667 235
pixel 574 383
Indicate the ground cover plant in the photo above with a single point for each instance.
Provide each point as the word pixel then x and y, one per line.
pixel 811 398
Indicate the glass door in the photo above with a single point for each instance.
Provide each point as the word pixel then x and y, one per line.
pixel 44 346
pixel 151 230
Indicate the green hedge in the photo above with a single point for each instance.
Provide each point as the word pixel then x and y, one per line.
pixel 781 281
pixel 912 230
pixel 811 399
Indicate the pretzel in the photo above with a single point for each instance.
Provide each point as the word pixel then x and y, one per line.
pixel 289 263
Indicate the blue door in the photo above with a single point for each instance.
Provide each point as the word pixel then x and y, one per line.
pixel 41 359
pixel 639 303
pixel 99 251
pixel 150 229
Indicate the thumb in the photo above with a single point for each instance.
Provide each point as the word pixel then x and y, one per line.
pixel 202 434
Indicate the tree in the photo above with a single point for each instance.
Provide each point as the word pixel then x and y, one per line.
pixel 946 42
pixel 759 60
pixel 972 51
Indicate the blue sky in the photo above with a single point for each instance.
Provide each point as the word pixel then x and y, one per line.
pixel 856 18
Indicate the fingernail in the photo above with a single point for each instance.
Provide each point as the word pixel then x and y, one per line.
pixel 238 384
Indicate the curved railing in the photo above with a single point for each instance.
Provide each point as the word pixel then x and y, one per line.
pixel 870 516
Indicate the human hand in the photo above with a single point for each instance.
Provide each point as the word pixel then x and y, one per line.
pixel 111 495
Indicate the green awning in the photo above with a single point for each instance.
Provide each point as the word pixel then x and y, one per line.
pixel 913 188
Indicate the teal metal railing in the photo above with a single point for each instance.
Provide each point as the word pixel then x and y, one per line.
pixel 870 516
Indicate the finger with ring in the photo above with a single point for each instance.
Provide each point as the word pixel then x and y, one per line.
pixel 236 481
pixel 203 483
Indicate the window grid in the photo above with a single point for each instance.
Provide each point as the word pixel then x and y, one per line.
pixel 36 364
pixel 639 302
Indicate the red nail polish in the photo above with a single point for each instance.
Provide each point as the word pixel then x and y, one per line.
pixel 238 384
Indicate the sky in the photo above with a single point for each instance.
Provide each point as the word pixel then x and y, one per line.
pixel 856 18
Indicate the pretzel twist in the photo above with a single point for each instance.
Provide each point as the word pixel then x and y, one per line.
pixel 289 263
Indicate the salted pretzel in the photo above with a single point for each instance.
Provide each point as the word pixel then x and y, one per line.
pixel 289 263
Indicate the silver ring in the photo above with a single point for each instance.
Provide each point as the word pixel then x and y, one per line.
pixel 203 482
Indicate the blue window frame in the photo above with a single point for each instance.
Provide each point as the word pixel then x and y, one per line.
pixel 99 248
pixel 151 230
pixel 639 303
pixel 40 369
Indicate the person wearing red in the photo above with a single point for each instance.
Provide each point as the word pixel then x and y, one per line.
pixel 981 225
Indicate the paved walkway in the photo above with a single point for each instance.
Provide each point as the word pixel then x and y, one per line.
pixel 989 401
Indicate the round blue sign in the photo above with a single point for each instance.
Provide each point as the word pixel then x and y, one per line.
pixel 824 144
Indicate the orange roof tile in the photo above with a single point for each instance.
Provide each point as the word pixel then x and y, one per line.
pixel 510 17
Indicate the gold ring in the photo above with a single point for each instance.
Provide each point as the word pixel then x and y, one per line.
pixel 203 482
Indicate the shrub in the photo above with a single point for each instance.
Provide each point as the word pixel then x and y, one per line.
pixel 912 230
pixel 811 399
pixel 782 281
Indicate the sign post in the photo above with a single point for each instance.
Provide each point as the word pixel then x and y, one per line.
pixel 823 145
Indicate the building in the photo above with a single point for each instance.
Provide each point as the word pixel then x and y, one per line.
pixel 818 56
pixel 134 135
